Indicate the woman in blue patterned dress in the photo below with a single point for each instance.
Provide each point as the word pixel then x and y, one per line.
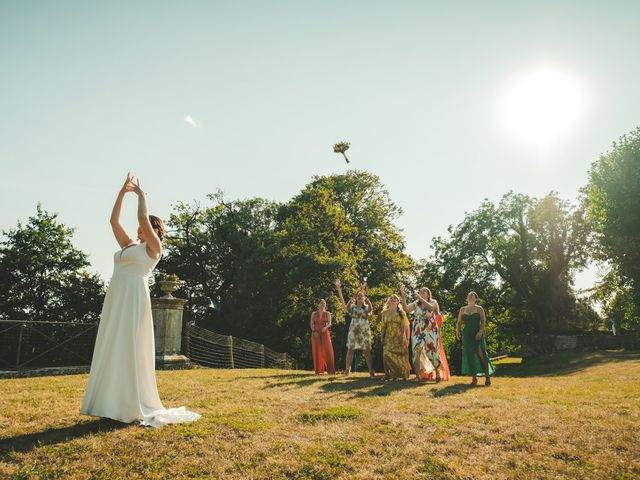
pixel 359 337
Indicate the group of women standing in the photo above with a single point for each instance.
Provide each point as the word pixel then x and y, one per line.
pixel 407 345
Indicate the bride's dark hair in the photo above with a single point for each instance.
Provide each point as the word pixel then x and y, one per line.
pixel 158 225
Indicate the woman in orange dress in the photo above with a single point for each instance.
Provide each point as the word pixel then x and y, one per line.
pixel 321 346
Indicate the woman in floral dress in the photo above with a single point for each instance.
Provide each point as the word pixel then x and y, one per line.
pixel 395 340
pixel 425 333
pixel 359 337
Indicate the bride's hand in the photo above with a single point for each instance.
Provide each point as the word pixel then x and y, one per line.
pixel 128 184
pixel 136 187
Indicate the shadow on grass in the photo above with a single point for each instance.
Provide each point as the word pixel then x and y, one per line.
pixel 360 386
pixel 558 364
pixel 300 383
pixel 27 442
pixel 281 375
pixel 387 388
pixel 454 389
pixel 369 387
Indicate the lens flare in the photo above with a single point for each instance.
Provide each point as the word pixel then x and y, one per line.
pixel 542 107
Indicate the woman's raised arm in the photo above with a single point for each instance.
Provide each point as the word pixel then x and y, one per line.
pixel 367 302
pixel 122 237
pixel 427 303
pixel 340 296
pixel 154 244
pixel 408 308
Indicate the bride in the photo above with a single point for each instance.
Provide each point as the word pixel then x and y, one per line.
pixel 122 381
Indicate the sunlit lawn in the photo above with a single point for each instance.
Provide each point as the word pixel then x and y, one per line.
pixel 570 416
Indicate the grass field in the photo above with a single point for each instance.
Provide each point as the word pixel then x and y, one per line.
pixel 566 416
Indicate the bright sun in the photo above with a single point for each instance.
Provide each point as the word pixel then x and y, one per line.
pixel 543 106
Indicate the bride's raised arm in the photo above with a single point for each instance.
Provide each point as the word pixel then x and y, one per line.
pixel 151 238
pixel 122 237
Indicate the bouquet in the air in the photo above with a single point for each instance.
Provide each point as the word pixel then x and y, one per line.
pixel 341 148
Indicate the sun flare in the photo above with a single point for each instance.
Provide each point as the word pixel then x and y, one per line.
pixel 541 107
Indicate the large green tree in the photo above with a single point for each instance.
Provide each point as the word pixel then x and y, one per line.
pixel 224 254
pixel 613 195
pixel 520 256
pixel 339 226
pixel 43 276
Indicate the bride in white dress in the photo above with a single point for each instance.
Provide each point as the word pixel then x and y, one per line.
pixel 122 382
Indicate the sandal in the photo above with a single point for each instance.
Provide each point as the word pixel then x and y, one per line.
pixel 487 382
pixel 474 382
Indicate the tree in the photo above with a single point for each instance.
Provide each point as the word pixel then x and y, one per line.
pixel 339 226
pixel 44 277
pixel 613 196
pixel 617 299
pixel 520 256
pixel 223 254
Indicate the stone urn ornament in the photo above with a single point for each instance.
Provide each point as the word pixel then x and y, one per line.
pixel 342 147
pixel 168 284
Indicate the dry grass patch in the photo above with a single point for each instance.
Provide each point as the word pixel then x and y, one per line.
pixel 562 417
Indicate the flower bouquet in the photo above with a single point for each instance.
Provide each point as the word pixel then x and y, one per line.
pixel 341 148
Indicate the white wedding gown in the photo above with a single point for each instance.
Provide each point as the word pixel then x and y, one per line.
pixel 122 381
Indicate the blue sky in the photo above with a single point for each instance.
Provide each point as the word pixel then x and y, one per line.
pixel 90 90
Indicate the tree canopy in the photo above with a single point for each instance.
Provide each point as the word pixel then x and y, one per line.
pixel 613 196
pixel 43 276
pixel 519 255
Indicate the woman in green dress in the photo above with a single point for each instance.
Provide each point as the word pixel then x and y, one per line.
pixel 475 360
pixel 395 340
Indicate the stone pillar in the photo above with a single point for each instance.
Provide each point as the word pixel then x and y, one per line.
pixel 167 325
